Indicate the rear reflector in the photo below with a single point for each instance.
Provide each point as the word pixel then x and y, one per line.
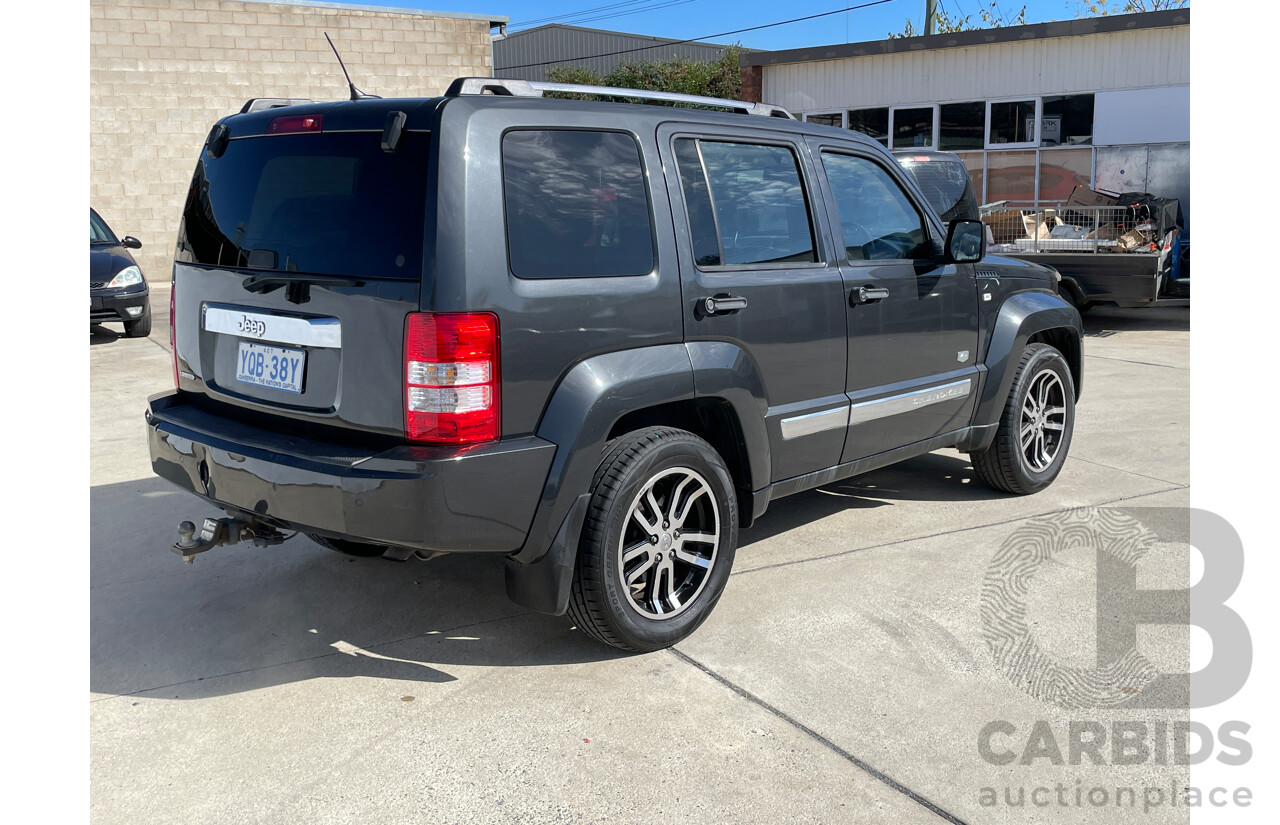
pixel 173 335
pixel 451 377
pixel 295 124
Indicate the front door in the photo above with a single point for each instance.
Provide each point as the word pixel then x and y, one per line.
pixel 756 273
pixel 913 319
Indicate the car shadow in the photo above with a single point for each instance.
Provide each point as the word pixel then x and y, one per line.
pixel 243 618
pixel 941 476
pixel 99 334
pixel 1105 319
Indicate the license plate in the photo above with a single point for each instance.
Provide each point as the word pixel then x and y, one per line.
pixel 274 367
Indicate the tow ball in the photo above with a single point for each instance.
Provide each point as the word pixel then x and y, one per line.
pixel 215 532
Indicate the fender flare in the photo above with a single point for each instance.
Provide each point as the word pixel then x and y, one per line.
pixel 1021 316
pixel 585 405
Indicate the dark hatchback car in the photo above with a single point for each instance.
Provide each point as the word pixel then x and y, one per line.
pixel 117 291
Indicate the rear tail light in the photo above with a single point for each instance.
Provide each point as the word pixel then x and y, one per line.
pixel 451 377
pixel 173 335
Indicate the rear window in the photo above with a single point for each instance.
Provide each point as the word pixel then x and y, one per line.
pixel 576 204
pixel 327 204
pixel 945 184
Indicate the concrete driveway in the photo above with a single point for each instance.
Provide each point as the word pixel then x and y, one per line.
pixel 844 676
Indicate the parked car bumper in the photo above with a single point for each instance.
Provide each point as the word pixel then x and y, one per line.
pixel 478 499
pixel 112 305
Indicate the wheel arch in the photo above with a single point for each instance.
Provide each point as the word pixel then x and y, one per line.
pixel 1024 318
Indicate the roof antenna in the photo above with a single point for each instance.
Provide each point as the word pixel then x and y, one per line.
pixel 356 94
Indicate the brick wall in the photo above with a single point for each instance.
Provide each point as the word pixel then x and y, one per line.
pixel 161 72
pixel 752 81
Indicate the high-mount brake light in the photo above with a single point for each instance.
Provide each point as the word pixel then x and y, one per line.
pixel 295 124
pixel 451 377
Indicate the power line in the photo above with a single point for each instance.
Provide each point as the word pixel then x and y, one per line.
pixel 614 8
pixel 702 37
pixel 624 13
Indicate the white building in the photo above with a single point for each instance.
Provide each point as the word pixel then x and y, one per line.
pixel 1033 110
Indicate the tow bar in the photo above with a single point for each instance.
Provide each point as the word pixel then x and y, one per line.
pixel 215 532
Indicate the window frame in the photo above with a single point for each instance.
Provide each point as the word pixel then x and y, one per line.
pixel 985 110
pixel 806 188
pixel 646 181
pixel 844 117
pixel 933 130
pixel 1033 143
pixel 898 176
pixel 888 138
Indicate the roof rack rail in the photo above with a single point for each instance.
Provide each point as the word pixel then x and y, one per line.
pixel 261 104
pixel 529 88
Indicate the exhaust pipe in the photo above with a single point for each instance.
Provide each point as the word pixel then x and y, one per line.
pixel 215 532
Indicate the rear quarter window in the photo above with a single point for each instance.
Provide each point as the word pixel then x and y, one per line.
pixel 576 204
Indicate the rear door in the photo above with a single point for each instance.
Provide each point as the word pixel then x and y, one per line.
pixel 913 320
pixel 299 256
pixel 757 248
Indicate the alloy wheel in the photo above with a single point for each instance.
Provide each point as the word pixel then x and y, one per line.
pixel 669 542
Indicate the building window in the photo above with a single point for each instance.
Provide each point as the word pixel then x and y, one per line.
pixel 1011 123
pixel 826 119
pixel 1011 176
pixel 1062 171
pixel 577 205
pixel 874 123
pixel 913 128
pixel 962 125
pixel 1067 120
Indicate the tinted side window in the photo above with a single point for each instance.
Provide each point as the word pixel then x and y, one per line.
pixel 697 202
pixel 759 203
pixel 877 218
pixel 576 204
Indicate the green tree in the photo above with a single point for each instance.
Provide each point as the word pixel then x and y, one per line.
pixel 990 16
pixel 719 78
pixel 1101 8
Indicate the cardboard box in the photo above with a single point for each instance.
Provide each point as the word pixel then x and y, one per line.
pixel 1006 226
pixel 1084 196
pixel 1106 232
pixel 1040 223
pixel 1131 239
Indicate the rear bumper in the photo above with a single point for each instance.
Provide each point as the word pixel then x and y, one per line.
pixel 108 307
pixel 480 499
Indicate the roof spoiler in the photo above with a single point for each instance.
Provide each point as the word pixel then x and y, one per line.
pixel 507 87
pixel 261 104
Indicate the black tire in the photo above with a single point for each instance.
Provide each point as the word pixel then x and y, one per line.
pixel 350 548
pixel 1005 465
pixel 601 604
pixel 1075 296
pixel 140 328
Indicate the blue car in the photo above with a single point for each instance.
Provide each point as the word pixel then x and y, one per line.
pixel 117 291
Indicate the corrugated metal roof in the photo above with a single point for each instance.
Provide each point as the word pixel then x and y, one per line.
pixel 976 37
pixel 538 49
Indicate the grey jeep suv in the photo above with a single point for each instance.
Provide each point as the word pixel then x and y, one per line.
pixel 597 338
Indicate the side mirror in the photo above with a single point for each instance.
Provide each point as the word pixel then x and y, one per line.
pixel 966 241
pixel 131 242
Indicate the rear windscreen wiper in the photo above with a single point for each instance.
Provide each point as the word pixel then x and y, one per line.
pixel 267 282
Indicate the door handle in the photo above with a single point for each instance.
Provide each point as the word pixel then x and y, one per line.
pixel 867 294
pixel 721 304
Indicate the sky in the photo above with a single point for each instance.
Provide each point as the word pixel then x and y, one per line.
pixel 681 19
